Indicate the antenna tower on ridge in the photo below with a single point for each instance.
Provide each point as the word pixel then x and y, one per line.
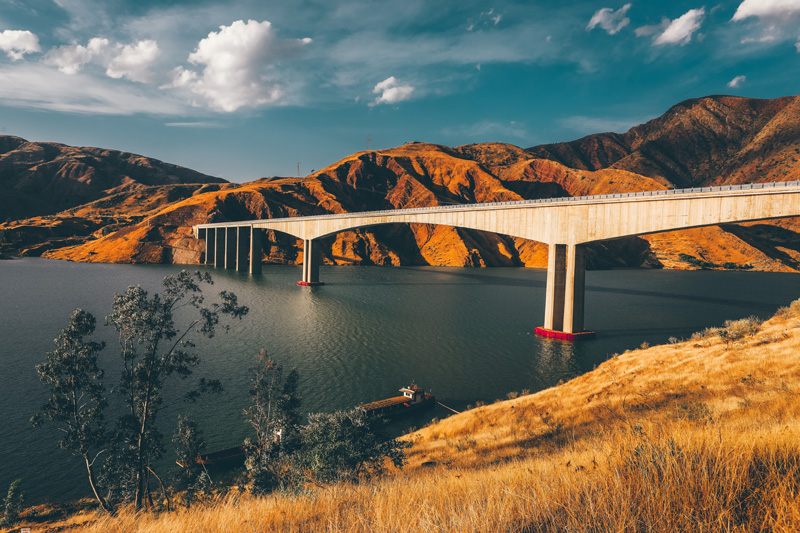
pixel 369 141
pixel 298 169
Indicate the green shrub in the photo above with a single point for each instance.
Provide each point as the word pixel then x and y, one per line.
pixel 692 260
pixel 346 445
pixel 734 266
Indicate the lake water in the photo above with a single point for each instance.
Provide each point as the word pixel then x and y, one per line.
pixel 465 334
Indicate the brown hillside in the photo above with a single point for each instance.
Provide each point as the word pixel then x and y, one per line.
pixel 45 178
pixel 412 175
pixel 706 141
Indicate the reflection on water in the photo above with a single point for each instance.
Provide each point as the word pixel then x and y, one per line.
pixel 464 334
pixel 552 361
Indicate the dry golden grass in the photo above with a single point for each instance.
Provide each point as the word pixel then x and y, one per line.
pixel 699 435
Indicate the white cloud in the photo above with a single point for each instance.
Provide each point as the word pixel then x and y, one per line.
pixel 797 46
pixel 644 31
pixel 766 9
pixel 610 20
pixel 391 92
pixel 133 61
pixel 681 29
pixel 38 86
pixel 737 82
pixel 17 43
pixel 130 61
pixel 238 66
pixel 762 39
pixel 70 58
pixel 776 20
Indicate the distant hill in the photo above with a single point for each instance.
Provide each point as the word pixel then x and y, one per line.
pixel 707 141
pixel 716 140
pixel 45 178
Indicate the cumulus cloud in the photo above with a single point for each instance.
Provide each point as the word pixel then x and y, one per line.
pixel 766 9
pixel 610 20
pixel 797 46
pixel 71 58
pixel 680 30
pixel 133 61
pixel 237 64
pixel 391 92
pixel 17 43
pixel 737 82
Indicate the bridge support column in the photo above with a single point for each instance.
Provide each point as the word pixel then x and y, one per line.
pixel 556 278
pixel 310 263
pixel 566 275
pixel 242 248
pixel 255 250
pixel 210 234
pixel 230 247
pixel 574 289
pixel 219 247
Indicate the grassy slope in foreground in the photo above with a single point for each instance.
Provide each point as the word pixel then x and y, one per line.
pixel 699 435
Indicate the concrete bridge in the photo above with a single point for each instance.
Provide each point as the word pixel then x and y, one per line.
pixel 565 224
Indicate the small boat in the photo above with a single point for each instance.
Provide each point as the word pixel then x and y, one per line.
pixel 413 399
pixel 228 457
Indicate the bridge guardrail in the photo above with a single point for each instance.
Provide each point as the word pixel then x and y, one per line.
pixel 566 199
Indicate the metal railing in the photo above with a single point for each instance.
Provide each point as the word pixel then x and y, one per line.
pixel 522 203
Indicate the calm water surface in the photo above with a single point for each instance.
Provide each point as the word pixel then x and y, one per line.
pixel 465 334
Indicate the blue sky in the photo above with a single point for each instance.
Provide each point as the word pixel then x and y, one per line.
pixel 249 88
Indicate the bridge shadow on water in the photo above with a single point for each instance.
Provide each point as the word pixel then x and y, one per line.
pixel 681 297
pixel 490 277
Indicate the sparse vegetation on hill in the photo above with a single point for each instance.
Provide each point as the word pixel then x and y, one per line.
pixel 696 435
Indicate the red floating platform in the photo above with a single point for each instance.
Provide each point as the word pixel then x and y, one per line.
pixel 310 283
pixel 561 335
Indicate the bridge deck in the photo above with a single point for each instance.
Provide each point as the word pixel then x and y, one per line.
pixel 571 200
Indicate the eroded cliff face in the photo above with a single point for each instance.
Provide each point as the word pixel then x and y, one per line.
pixel 710 141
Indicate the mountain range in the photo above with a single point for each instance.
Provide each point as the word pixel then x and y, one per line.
pixel 89 204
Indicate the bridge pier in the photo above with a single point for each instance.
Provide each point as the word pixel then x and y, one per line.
pixel 566 283
pixel 255 250
pixel 219 247
pixel 231 238
pixel 209 235
pixel 242 248
pixel 310 263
